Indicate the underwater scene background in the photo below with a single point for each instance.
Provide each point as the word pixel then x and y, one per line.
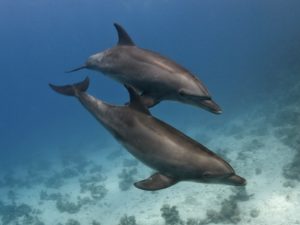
pixel 59 166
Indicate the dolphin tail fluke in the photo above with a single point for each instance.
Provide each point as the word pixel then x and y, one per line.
pixel 72 90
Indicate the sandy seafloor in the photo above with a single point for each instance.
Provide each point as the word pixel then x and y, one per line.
pixel 262 146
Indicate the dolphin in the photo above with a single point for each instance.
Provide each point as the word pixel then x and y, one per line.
pixel 155 77
pixel 175 156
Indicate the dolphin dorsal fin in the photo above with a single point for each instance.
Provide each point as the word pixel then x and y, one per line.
pixel 136 101
pixel 124 38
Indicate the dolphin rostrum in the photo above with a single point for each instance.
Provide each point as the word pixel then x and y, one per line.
pixel 174 156
pixel 155 77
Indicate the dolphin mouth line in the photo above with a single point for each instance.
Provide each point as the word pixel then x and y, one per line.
pixel 76 69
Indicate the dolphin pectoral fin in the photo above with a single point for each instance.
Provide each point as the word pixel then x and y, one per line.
pixel 136 101
pixel 149 101
pixel 156 182
pixel 141 102
pixel 185 92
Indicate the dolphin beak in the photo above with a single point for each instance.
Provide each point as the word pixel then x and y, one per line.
pixel 211 106
pixel 236 180
pixel 76 69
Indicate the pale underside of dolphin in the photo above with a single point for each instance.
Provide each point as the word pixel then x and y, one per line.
pixel 175 156
pixel 154 76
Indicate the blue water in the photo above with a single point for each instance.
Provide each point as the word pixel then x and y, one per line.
pixel 242 50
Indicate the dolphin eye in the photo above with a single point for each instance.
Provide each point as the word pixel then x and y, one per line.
pixel 207 175
pixel 181 93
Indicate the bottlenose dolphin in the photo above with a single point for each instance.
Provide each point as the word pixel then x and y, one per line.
pixel 175 156
pixel 155 77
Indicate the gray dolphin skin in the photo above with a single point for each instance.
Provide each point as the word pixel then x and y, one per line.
pixel 155 77
pixel 174 156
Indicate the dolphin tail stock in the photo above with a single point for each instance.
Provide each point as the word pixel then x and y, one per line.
pixel 73 89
